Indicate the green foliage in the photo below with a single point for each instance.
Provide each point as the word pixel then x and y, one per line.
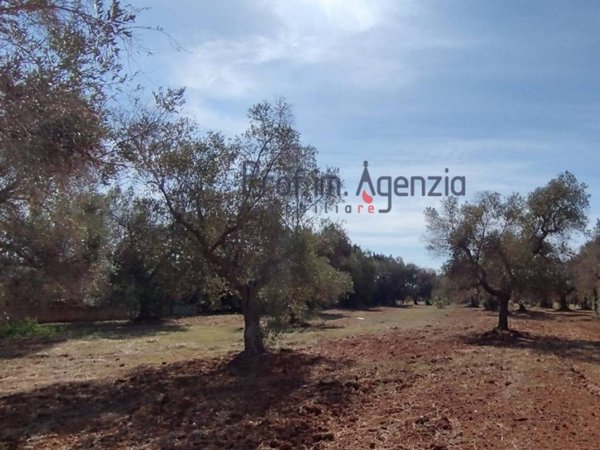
pixel 363 270
pixel 59 66
pixel 305 284
pixel 456 286
pixel 385 280
pixel 508 243
pixel 222 193
pixel 153 264
pixel 58 249
pixel 586 269
pixel 26 328
pixel 440 302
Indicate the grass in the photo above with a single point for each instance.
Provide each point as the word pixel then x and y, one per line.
pixel 27 328
pixel 336 323
pixel 37 355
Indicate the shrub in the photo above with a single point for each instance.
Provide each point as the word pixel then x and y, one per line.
pixel 440 303
pixel 26 328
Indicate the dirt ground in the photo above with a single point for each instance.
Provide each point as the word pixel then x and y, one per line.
pixel 402 378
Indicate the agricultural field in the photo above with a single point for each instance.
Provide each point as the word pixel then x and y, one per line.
pixel 413 377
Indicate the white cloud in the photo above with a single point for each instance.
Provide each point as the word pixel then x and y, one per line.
pixel 352 43
pixel 234 69
pixel 349 16
pixel 211 118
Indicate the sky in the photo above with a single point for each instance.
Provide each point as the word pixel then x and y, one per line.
pixel 504 93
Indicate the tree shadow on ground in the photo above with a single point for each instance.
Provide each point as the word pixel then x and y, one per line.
pixel 534 315
pixel 319 326
pixel 362 308
pixel 119 330
pixel 323 315
pixel 18 347
pixel 550 314
pixel 576 349
pixel 280 403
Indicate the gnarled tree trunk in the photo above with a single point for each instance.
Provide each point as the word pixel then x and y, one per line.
pixel 503 312
pixel 253 336
pixel 564 304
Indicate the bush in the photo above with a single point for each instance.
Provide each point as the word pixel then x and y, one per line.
pixel 26 328
pixel 440 303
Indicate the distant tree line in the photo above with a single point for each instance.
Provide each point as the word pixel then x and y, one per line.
pixel 378 280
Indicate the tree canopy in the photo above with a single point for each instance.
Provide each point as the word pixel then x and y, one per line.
pixel 504 242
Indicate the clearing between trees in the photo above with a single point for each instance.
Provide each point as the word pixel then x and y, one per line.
pixel 412 377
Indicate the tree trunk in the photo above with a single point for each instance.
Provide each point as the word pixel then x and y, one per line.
pixel 586 304
pixel 564 305
pixel 147 311
pixel 503 312
pixel 253 337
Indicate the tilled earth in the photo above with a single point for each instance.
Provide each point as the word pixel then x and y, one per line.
pixel 446 385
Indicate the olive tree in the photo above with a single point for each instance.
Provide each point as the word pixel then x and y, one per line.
pixel 239 200
pixel 586 269
pixel 58 251
pixel 59 66
pixel 500 239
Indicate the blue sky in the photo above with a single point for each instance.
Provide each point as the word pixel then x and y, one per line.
pixel 506 93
